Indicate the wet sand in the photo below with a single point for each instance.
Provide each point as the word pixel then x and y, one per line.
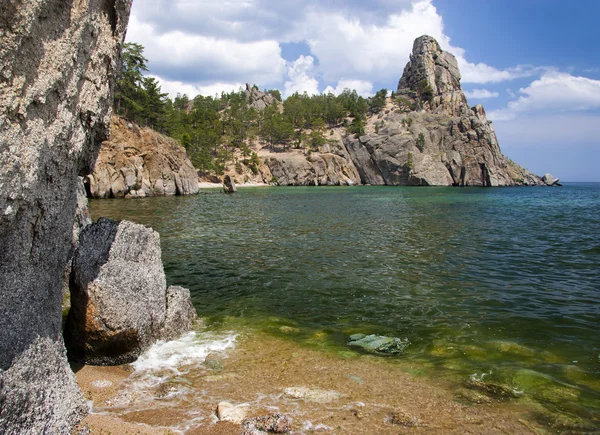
pixel 344 394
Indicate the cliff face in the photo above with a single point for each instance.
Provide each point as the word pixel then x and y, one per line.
pixel 330 166
pixel 57 60
pixel 430 136
pixel 139 162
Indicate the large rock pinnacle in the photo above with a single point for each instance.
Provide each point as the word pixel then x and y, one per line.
pixel 57 60
pixel 432 77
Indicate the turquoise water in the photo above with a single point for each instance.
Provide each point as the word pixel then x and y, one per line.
pixel 480 281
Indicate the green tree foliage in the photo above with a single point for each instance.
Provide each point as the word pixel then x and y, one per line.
pixel 216 131
pixel 425 91
pixel 377 102
pixel 129 85
pixel 421 142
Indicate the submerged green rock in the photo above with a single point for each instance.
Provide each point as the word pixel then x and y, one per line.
pixel 379 344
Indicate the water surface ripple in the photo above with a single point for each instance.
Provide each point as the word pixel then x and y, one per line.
pixel 461 266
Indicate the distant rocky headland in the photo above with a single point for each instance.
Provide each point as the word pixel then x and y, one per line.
pixel 424 134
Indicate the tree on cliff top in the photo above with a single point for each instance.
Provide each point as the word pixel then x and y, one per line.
pixel 129 88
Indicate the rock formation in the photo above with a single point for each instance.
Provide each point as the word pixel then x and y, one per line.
pixel 330 166
pixel 229 184
pixel 427 135
pixel 549 180
pixel 120 304
pixel 434 137
pixel 57 61
pixel 139 162
pixel 259 101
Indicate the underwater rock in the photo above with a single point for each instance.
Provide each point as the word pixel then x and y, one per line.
pixel 227 411
pixel 379 344
pixel 496 390
pixel 405 419
pixel 312 395
pixel 275 423
pixel 527 380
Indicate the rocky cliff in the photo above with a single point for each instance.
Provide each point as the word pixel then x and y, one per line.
pixel 331 165
pixel 139 162
pixel 430 135
pixel 57 60
pixel 427 135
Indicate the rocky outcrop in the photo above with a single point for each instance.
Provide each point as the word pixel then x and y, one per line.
pixel 119 301
pixel 430 136
pixel 57 60
pixel 331 165
pixel 549 180
pixel 180 314
pixel 138 162
pixel 228 184
pixel 259 101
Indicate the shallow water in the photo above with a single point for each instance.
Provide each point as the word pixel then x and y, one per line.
pixel 494 284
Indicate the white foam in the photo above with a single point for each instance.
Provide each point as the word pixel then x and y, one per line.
pixel 190 349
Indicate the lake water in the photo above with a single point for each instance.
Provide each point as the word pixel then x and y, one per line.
pixel 496 285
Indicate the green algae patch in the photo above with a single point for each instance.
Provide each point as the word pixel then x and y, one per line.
pixel 378 344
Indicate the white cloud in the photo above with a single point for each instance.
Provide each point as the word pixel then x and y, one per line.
pixel 481 94
pixel 227 41
pixel 553 92
pixel 191 58
pixel 301 79
pixel 210 90
pixel 362 87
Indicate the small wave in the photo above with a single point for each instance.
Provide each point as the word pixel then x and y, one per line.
pixel 190 349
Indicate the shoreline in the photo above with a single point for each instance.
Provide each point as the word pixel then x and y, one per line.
pixel 208 185
pixel 324 392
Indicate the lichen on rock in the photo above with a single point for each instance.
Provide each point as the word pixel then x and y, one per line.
pixel 57 62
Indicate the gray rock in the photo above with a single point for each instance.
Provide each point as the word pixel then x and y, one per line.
pixel 180 314
pixel 549 180
pixel 275 423
pixel 229 185
pixel 57 61
pixel 227 411
pixel 24 409
pixel 117 293
pixel 379 344
pixel 442 142
pixel 318 169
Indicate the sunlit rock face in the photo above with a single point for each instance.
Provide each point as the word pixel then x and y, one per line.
pixel 57 62
pixel 429 135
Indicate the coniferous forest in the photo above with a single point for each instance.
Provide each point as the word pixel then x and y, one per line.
pixel 212 128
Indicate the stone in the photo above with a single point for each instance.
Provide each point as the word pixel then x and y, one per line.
pixel 312 394
pixel 549 180
pixel 57 66
pixel 227 411
pixel 402 418
pixel 39 394
pixel 229 185
pixel 140 162
pixel 318 169
pixel 259 101
pixel 378 344
pixel 120 303
pixel 180 315
pixel 275 423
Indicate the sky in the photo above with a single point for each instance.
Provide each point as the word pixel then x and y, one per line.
pixel 533 64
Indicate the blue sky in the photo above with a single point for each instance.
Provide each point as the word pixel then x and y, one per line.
pixel 533 64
